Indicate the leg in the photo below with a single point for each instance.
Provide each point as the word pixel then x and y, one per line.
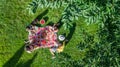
pixel 53 55
pixel 51 52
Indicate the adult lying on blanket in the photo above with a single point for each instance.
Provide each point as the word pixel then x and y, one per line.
pixel 42 37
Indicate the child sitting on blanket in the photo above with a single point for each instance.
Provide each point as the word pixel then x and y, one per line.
pixel 30 48
pixel 56 49
pixel 32 32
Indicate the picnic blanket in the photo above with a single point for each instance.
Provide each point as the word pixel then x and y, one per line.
pixel 45 37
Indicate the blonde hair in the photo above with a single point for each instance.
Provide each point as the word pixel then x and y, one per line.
pixel 61 48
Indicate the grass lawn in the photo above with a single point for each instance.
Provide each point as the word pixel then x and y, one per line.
pixel 14 19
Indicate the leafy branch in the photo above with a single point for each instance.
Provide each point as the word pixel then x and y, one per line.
pixel 70 14
pixel 90 10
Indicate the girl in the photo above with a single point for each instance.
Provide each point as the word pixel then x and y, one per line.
pixel 57 49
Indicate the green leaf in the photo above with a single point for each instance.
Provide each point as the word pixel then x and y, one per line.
pixel 65 26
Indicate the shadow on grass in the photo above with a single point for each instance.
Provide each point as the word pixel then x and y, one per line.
pixel 72 30
pixel 59 22
pixel 51 23
pixel 13 61
pixel 46 18
pixel 39 17
pixel 42 14
pixel 28 63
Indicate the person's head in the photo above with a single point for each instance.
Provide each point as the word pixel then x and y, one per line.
pixel 29 27
pixel 55 28
pixel 34 22
pixel 28 49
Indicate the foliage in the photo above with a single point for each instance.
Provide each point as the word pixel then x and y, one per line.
pixel 91 11
pixel 105 51
pixel 70 13
pixel 95 13
pixel 55 4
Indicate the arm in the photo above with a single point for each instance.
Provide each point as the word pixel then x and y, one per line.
pixel 51 52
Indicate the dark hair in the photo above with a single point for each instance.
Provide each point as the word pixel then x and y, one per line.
pixel 28 48
pixel 56 25
pixel 34 22
pixel 29 27
pixel 55 28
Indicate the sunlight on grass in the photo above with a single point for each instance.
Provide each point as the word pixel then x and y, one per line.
pixel 12 30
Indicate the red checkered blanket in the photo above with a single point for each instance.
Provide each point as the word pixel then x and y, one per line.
pixel 45 37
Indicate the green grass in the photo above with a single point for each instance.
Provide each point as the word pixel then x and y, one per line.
pixel 14 19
